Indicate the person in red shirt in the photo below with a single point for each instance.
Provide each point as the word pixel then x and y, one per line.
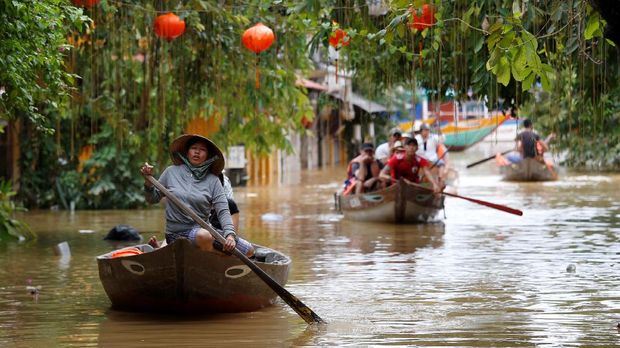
pixel 407 165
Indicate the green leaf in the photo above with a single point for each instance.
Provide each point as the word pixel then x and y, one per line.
pixel 592 27
pixel 528 81
pixel 503 71
pixel 479 44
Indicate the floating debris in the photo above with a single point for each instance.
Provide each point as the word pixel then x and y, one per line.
pixel 271 217
pixel 571 268
pixel 33 290
pixel 62 249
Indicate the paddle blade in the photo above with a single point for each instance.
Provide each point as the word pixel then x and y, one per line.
pixel 488 204
pixel 299 307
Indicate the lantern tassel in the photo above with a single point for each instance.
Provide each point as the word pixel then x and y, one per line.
pixel 420 50
pixel 336 70
pixel 257 82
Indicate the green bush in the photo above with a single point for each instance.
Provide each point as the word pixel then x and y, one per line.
pixel 11 228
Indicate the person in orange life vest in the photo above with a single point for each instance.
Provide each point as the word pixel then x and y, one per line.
pixel 407 165
pixel 363 172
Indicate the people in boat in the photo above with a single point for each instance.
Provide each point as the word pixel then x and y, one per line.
pixel 384 151
pixel 528 144
pixel 213 220
pixel 431 148
pixel 363 172
pixel 193 178
pixel 405 163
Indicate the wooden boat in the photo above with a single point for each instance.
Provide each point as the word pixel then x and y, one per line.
pixel 400 202
pixel 462 134
pixel 181 278
pixel 528 169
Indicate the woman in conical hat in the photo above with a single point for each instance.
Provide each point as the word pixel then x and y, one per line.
pixel 193 178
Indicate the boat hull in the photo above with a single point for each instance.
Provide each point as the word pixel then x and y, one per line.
pixel 399 203
pixel 463 134
pixel 182 278
pixel 528 169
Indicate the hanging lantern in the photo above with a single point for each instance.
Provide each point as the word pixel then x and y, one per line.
pixel 169 26
pixel 257 39
pixel 306 122
pixel 425 21
pixel 85 3
pixel 338 39
pixel 421 23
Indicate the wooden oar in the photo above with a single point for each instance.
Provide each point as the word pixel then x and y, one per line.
pixel 485 203
pixel 304 311
pixel 487 159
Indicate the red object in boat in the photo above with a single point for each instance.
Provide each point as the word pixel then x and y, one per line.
pixel 126 252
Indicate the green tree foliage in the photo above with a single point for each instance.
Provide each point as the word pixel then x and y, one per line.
pixel 31 56
pixel 136 92
pixel 11 228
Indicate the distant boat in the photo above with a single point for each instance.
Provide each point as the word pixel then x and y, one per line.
pixel 398 203
pixel 181 278
pixel 462 123
pixel 459 135
pixel 529 169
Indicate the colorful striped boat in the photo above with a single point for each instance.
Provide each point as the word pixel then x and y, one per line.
pixel 460 135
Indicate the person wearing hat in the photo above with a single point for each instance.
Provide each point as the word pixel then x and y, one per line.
pixel 193 178
pixel 429 147
pixel 407 165
pixel 383 152
pixel 363 171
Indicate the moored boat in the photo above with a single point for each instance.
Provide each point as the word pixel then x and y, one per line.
pixel 401 202
pixel 462 134
pixel 181 278
pixel 528 169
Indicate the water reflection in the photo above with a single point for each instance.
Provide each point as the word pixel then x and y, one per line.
pixel 262 328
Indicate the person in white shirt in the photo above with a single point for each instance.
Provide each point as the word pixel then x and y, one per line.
pixel 428 148
pixel 384 151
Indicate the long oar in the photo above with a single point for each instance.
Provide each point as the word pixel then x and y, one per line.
pixel 488 204
pixel 487 159
pixel 304 311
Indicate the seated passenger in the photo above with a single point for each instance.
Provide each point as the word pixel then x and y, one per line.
pixel 363 172
pixel 431 148
pixel 407 165
pixel 384 151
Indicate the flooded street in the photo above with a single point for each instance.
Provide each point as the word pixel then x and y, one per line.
pixel 478 277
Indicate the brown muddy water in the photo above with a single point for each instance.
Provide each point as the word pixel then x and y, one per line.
pixel 476 278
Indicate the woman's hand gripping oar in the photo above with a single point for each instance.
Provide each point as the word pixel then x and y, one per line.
pixel 478 201
pixel 304 311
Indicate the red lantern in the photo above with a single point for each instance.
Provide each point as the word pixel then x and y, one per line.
pixel 85 3
pixel 338 39
pixel 169 26
pixel 257 39
pixel 306 122
pixel 425 21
